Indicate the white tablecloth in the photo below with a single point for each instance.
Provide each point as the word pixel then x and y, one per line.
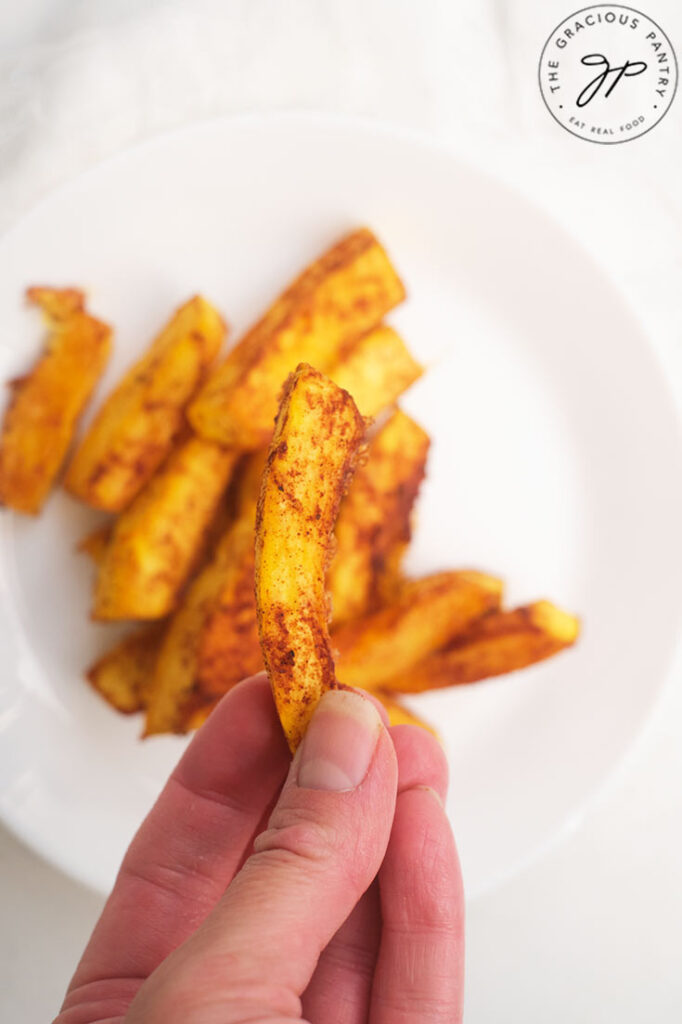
pixel 592 932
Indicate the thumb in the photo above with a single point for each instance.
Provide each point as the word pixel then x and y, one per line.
pixel 325 841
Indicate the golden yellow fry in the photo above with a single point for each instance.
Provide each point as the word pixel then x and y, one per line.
pixel 175 693
pixel 123 676
pixel 500 642
pixel 398 714
pixel 47 403
pixel 317 437
pixel 212 642
pixel 338 298
pixel 428 613
pixel 95 544
pixel 376 370
pixel 373 526
pixel 135 428
pixel 156 542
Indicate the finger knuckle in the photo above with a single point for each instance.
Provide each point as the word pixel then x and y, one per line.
pixel 294 838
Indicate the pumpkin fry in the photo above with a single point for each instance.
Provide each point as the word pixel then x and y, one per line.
pixel 335 300
pixel 157 540
pixel 427 614
pixel 175 691
pixel 135 429
pixel 499 643
pixel 376 370
pixel 373 526
pixel 123 676
pixel 318 434
pixel 47 403
pixel 188 663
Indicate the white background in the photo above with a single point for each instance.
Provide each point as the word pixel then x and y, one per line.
pixel 592 932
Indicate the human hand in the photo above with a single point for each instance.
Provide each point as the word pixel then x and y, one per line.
pixel 213 920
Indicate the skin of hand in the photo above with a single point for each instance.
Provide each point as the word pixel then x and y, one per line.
pixel 324 890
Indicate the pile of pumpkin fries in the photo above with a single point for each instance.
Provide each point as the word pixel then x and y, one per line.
pixel 238 544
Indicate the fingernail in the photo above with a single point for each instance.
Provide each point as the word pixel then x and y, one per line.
pixel 339 743
pixel 434 793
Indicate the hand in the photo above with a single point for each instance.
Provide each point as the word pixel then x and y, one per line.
pixel 241 901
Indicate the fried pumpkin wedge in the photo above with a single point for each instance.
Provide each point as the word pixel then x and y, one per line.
pixel 135 429
pixel 398 714
pixel 338 298
pixel 157 541
pixel 175 694
pixel 318 435
pixel 427 614
pixel 373 526
pixel 47 403
pixel 123 676
pixel 376 370
pixel 95 543
pixel 196 661
pixel 499 643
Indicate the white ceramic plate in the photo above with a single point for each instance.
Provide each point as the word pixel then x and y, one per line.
pixel 556 462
